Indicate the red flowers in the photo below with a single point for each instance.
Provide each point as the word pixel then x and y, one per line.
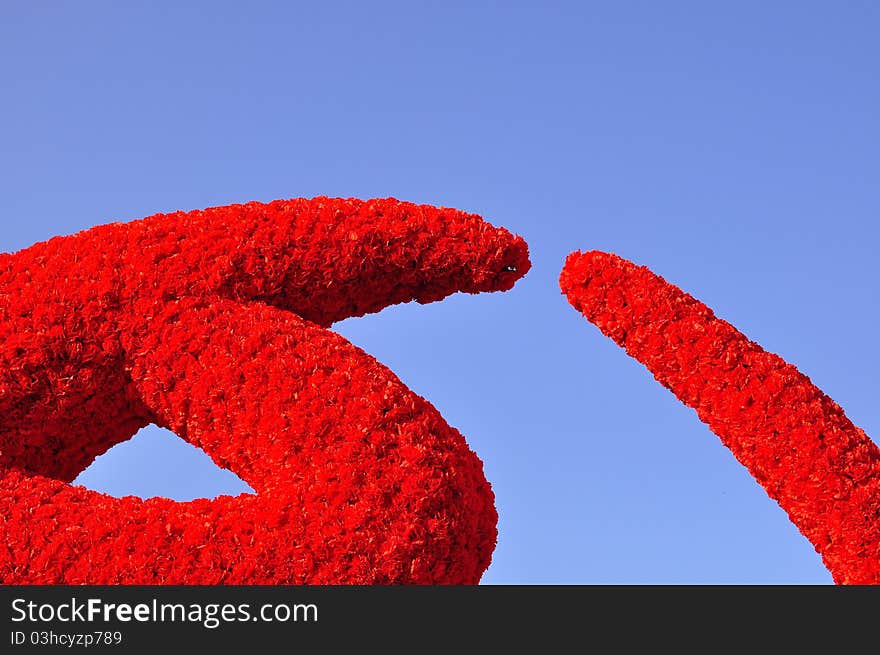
pixel 796 442
pixel 211 323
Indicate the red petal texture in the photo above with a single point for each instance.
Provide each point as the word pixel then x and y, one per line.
pixel 795 441
pixel 212 324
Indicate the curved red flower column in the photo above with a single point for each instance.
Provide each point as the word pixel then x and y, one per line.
pixel 795 441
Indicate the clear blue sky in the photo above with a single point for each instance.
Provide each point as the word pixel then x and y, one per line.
pixel 733 147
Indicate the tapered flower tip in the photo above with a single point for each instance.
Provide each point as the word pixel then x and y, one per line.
pixel 505 260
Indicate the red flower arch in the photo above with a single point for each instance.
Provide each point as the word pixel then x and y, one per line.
pixel 212 324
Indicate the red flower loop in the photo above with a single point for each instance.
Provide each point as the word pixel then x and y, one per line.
pixel 212 324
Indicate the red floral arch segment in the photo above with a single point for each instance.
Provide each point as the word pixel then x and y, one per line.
pixel 797 443
pixel 212 324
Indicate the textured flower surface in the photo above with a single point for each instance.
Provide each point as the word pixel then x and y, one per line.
pixel 797 443
pixel 213 324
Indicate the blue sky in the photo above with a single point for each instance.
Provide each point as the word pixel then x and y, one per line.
pixel 732 147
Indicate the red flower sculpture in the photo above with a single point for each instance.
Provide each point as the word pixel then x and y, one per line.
pixel 211 323
pixel 796 442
